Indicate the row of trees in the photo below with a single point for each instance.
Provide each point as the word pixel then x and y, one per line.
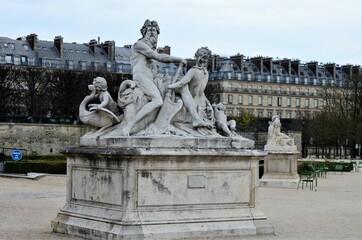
pixel 34 92
pixel 337 128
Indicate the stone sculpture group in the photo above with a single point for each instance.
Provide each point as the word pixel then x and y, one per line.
pixel 162 161
pixel 278 141
pixel 145 106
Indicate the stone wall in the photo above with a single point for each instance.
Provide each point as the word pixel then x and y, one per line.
pixel 48 139
pixel 41 139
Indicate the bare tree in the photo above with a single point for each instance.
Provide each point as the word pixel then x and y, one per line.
pixel 8 90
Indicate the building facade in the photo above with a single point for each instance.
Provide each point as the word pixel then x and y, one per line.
pixel 261 86
pixel 264 87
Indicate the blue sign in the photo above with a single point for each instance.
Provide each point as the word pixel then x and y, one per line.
pixel 16 155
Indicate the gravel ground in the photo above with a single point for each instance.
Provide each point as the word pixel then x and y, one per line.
pixel 332 211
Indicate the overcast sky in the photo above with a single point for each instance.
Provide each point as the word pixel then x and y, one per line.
pixel 320 30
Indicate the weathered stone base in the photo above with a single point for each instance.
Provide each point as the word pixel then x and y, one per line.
pixel 139 193
pixel 91 229
pixel 280 170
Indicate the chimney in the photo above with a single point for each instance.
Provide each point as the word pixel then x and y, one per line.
pixel 239 60
pixel 258 61
pixel 213 62
pixel 166 50
pixel 32 39
pixel 190 63
pixel 58 43
pixel 356 69
pixel 331 68
pixel 110 48
pixel 93 45
pixel 295 65
pixel 287 65
pixel 268 63
pixel 313 66
pixel 347 69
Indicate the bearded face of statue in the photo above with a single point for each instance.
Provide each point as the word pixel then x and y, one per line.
pixel 152 36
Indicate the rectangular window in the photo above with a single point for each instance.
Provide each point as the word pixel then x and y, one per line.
pixel 269 89
pixel 83 65
pixel 230 99
pixel 289 102
pixel 109 66
pixel 286 79
pixel 229 75
pixel 278 79
pixel 260 89
pixel 9 59
pixel 316 103
pixel 260 100
pixel 24 60
pixel 250 100
pixel 238 76
pixel 70 64
pixel 289 115
pixel 95 65
pixel 249 76
pixel 270 114
pixel 296 80
pixel 16 60
pixel 26 47
pixel 31 61
pixel 297 102
pixel 297 91
pixel 279 101
pixel 119 68
pixel 270 101
pixel 307 102
pixel 240 99
pixel 288 90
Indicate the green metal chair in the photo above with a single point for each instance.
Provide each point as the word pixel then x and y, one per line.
pixel 339 167
pixel 322 169
pixel 307 177
pixel 358 166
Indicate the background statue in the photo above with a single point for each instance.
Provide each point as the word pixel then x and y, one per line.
pixel 275 136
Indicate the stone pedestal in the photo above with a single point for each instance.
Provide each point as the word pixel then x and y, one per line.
pixel 161 193
pixel 280 170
